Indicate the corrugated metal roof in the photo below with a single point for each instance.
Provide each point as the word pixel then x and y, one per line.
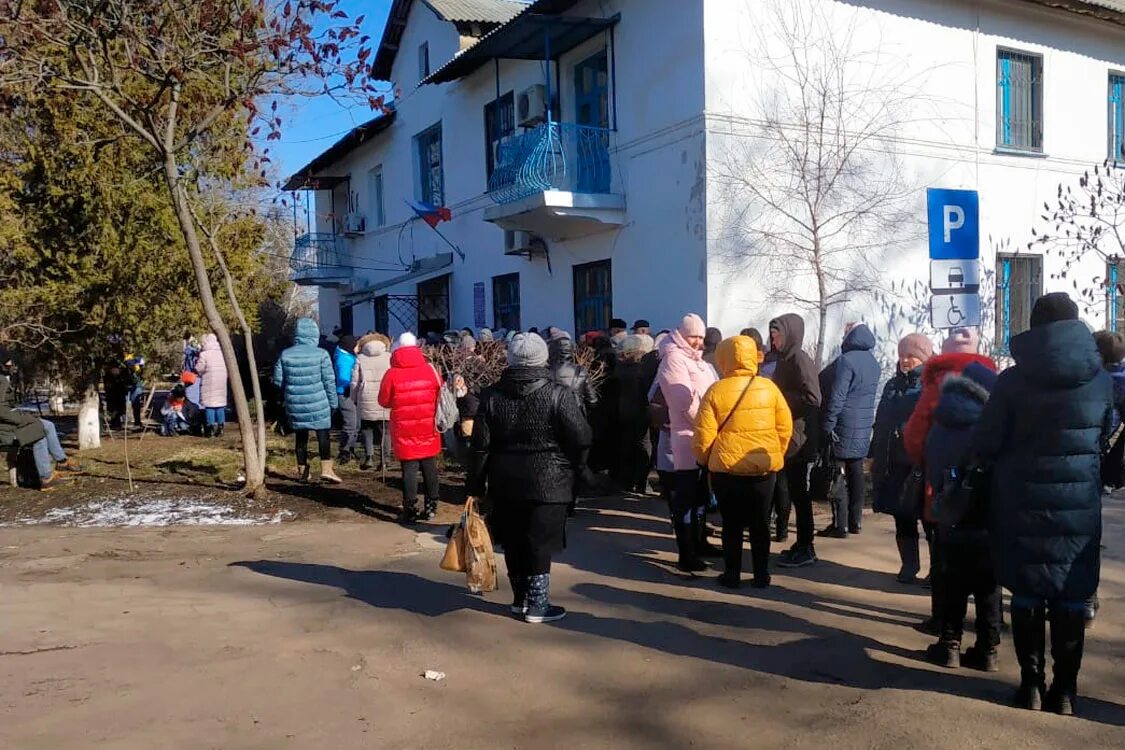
pixel 1105 10
pixel 476 11
pixel 304 178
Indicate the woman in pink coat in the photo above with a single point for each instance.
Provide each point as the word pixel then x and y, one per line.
pixel 683 378
pixel 212 371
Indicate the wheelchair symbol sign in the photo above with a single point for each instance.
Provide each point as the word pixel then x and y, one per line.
pixel 955 310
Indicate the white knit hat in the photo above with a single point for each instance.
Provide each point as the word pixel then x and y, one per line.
pixel 406 339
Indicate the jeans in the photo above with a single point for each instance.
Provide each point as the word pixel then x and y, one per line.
pixel 323 444
pixel 849 511
pixel 410 480
pixel 213 415
pixel 47 451
pixel 795 485
pixel 372 431
pixel 350 432
pixel 745 503
pixel 174 424
pixel 968 569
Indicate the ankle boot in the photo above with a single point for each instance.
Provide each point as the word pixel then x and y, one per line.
pixel 208 431
pixel 539 607
pixel 703 546
pixel 685 545
pixel 1029 638
pixel 303 472
pixel 519 595
pixel 911 562
pixel 1068 635
pixel 328 472
pixel 429 511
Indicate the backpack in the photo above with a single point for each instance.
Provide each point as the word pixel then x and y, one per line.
pixel 446 416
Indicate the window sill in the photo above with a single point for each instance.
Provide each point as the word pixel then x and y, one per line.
pixel 1010 151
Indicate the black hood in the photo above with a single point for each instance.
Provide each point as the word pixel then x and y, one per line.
pixel 1058 355
pixel 961 403
pixel 560 351
pixel 792 327
pixel 521 382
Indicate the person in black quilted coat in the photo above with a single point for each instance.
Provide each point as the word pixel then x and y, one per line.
pixel 528 436
pixel 1044 429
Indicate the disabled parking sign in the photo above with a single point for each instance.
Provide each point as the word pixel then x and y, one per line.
pixel 954 230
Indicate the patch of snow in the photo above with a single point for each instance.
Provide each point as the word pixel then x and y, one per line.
pixel 155 510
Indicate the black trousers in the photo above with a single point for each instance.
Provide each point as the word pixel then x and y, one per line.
pixel 906 527
pixel 530 534
pixel 635 457
pixel 689 493
pixel 793 483
pixel 849 511
pixel 323 444
pixel 745 503
pixel 410 480
pixel 964 570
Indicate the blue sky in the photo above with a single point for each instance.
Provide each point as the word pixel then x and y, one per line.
pixel 312 125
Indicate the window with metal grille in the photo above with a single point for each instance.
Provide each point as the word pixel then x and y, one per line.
pixel 1115 294
pixel 506 301
pixel 1019 282
pixel 377 209
pixel 499 124
pixel 423 60
pixel 382 315
pixel 431 182
pixel 593 297
pixel 346 320
pixel 1117 117
pixel 1019 100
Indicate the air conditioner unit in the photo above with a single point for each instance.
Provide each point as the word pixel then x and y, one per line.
pixel 355 223
pixel 527 244
pixel 531 107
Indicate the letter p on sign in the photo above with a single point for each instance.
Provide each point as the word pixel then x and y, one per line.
pixel 954 218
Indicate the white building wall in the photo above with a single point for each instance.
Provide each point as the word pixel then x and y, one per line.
pixel 657 158
pixel 947 48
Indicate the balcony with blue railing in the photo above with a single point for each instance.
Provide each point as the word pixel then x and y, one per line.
pixel 555 180
pixel 320 258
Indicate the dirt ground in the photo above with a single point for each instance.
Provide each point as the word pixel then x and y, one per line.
pixel 316 634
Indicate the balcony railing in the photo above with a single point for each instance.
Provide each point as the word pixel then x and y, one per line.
pixel 553 156
pixel 318 251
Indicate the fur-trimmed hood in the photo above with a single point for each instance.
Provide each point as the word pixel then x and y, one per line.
pixel 961 403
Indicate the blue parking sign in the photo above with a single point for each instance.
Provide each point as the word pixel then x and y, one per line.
pixel 954 218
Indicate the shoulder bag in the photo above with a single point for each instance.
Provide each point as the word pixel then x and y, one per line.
pixel 446 415
pixel 730 414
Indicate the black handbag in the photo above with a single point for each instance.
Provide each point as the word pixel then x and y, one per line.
pixel 823 475
pixel 963 491
pixel 913 496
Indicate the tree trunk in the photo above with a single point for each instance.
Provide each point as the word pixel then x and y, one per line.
pixel 255 470
pixel 89 420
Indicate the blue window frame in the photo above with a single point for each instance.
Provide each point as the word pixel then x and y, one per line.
pixel 431 180
pixel 506 301
pixel 593 297
pixel 1117 117
pixel 1115 295
pixel 1019 282
pixel 1019 101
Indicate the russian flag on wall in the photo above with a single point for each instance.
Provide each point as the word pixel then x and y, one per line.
pixel 432 215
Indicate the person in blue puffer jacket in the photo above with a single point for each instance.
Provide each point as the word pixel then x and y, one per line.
pixel 305 377
pixel 344 359
pixel 965 563
pixel 847 419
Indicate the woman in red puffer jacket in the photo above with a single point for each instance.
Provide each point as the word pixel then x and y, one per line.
pixel 410 390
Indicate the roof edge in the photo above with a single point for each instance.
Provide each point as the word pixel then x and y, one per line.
pixel 1098 10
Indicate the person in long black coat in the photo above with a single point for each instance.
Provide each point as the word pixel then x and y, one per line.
pixel 528 436
pixel 1044 429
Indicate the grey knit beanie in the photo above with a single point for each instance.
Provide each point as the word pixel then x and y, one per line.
pixel 527 350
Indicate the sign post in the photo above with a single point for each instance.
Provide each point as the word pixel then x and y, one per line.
pixel 954 223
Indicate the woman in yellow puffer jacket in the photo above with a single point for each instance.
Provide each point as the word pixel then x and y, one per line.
pixel 741 434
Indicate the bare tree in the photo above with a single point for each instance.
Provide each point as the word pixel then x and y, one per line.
pixel 813 192
pixel 1087 221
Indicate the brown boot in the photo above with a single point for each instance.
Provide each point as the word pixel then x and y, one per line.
pixel 327 473
pixel 302 472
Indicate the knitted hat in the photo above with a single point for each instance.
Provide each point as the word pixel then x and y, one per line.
pixel 916 346
pixel 406 339
pixel 642 323
pixel 486 334
pixel 636 345
pixel 981 375
pixel 527 350
pixel 558 334
pixel 347 342
pixel 692 325
pixel 1052 308
pixel 961 341
pixel 1110 345
pixel 712 338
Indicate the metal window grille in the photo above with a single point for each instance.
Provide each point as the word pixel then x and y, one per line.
pixel 382 315
pixel 375 185
pixel 1019 100
pixel 593 297
pixel 423 60
pixel 499 124
pixel 506 301
pixel 1117 117
pixel 1019 282
pixel 1115 295
pixel 429 166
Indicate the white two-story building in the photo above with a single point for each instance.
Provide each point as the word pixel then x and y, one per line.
pixel 575 144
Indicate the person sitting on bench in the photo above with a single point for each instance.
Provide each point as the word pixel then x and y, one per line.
pixel 21 430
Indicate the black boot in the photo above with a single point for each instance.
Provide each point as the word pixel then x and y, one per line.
pixel 911 562
pixel 519 595
pixel 208 431
pixel 409 513
pixel 430 509
pixel 1029 638
pixel 703 546
pixel 685 545
pixel 219 429
pixel 539 607
pixel 1068 636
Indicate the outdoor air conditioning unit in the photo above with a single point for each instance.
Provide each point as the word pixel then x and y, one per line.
pixel 527 244
pixel 531 107
pixel 355 223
